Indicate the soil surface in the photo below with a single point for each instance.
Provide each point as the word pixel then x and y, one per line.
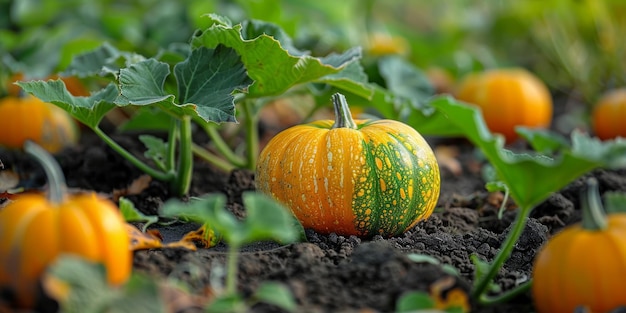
pixel 332 273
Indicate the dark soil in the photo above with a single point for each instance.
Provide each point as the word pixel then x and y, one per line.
pixel 332 273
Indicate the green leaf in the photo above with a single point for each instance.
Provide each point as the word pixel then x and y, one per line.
pixel 543 140
pixel 276 294
pixel 201 210
pixel 424 119
pixel 142 83
pixel 95 62
pixel 147 118
pixel 251 29
pixel 414 302
pixel 405 80
pixel 88 110
pixel 531 178
pixel 156 149
pixel 88 291
pixel 131 214
pixel 614 202
pixel 227 304
pixel 351 78
pixel 266 218
pixel 208 79
pixel 481 269
pixel 271 66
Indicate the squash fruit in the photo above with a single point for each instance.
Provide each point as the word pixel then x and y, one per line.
pixel 609 114
pixel 508 98
pixel 29 118
pixel 35 230
pixel 351 177
pixel 585 264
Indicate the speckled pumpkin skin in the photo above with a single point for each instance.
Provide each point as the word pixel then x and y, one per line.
pixel 380 178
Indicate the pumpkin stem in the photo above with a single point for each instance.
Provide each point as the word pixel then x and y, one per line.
pixel 56 180
pixel 343 117
pixel 593 214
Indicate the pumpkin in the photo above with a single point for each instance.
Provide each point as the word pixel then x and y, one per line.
pixel 609 113
pixel 585 264
pixel 508 98
pixel 381 44
pixel 35 230
pixel 29 118
pixel 351 177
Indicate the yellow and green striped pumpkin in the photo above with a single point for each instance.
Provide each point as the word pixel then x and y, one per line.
pixel 351 177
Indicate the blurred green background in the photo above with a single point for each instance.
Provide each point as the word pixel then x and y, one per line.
pixel 575 46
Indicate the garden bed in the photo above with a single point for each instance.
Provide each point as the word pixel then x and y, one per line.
pixel 331 273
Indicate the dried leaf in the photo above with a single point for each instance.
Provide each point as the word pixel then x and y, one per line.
pixel 143 241
pixel 447 158
pixel 446 298
pixel 136 187
pixel 152 239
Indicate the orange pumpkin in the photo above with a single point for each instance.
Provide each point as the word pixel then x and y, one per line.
pixel 351 177
pixel 29 118
pixel 508 98
pixel 35 230
pixel 585 264
pixel 609 114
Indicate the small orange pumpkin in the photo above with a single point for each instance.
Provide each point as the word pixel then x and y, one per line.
pixel 35 230
pixel 29 118
pixel 351 177
pixel 609 114
pixel 585 264
pixel 508 98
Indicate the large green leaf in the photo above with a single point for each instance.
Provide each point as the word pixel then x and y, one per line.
pixel 270 64
pixel 104 59
pixel 142 83
pixel 208 78
pixel 81 286
pixel 206 82
pixel 88 110
pixel 531 178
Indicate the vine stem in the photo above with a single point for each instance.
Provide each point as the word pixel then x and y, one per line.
pixel 184 170
pixel 56 180
pixel 171 145
pixel 252 133
pixel 159 175
pixel 204 154
pixel 232 269
pixel 518 228
pixel 222 147
pixel 505 297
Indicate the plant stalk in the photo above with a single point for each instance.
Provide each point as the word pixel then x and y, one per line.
pixel 232 269
pixel 343 116
pixel 506 296
pixel 159 175
pixel 251 121
pixel 222 147
pixel 171 145
pixel 593 215
pixel 504 253
pixel 184 170
pixel 212 158
pixel 56 180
